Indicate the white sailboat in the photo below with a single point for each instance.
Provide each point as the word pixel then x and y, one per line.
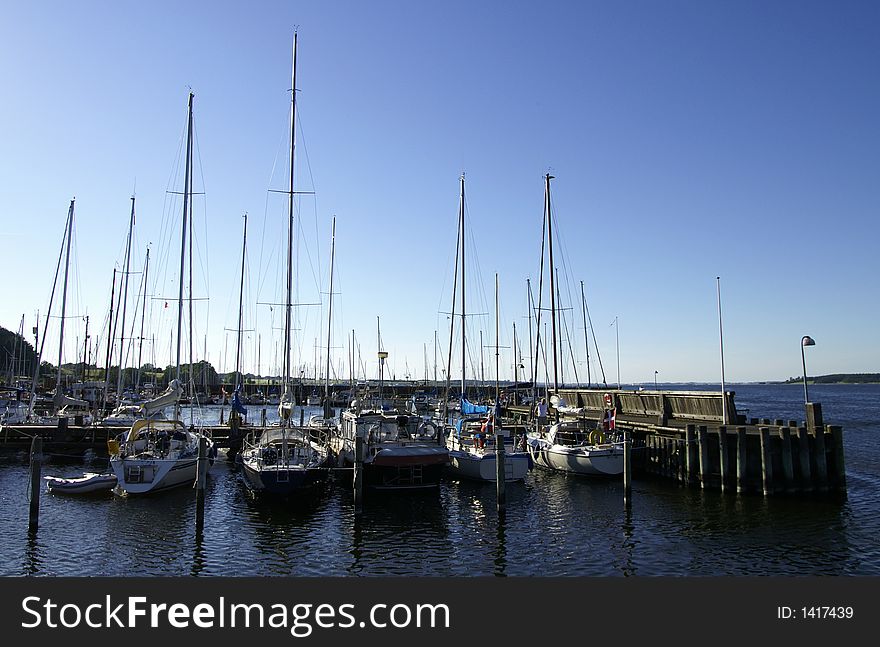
pixel 157 455
pixel 575 446
pixel 470 440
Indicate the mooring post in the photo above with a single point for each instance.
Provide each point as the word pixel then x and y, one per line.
pixel 302 416
pixel 703 447
pixel 766 462
pixel 627 469
pixel 201 477
pixel 500 468
pixel 358 480
pixel 690 452
pixel 787 466
pixel 742 458
pixel 804 459
pixel 263 417
pixel 821 460
pixel 221 415
pixel 36 467
pixel 839 468
pixel 722 455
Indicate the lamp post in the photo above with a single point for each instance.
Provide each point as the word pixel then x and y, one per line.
pixel 806 340
pixel 655 380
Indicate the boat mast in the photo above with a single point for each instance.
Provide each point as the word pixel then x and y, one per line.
pixel 547 179
pixel 143 314
pixel 187 187
pixel 109 342
pixel 64 297
pixel 288 299
pixel 240 310
pixel 533 358
pixel 124 304
pixel 586 337
pixel 327 411
pixel 458 247
pixel 461 247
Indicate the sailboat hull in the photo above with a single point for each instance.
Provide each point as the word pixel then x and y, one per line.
pixel 598 460
pixel 483 466
pixel 281 481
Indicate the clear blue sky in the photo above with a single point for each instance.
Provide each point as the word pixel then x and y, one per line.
pixel 689 140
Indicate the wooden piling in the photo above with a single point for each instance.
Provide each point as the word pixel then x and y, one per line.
pixel 821 461
pixel 263 417
pixel 787 466
pixel 766 462
pixel 500 471
pixel 302 417
pixel 839 467
pixel 358 480
pixel 703 447
pixel 690 452
pixel 804 459
pixel 36 467
pixel 722 456
pixel 741 459
pixel 201 477
pixel 627 470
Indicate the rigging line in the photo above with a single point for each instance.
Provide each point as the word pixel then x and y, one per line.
pixel 312 180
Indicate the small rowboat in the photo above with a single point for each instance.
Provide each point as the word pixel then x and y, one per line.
pixel 86 484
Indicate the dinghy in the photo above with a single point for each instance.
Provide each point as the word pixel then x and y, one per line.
pixel 86 484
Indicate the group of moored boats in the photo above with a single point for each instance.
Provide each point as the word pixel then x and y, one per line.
pixel 398 451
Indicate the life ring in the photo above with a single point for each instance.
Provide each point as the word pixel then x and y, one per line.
pixel 422 429
pixel 596 437
pixel 609 401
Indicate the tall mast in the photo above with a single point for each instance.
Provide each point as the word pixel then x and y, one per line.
pixel 109 339
pixel 64 296
pixel 534 358
pixel 240 310
pixel 458 246
pixel 183 237
pixel 329 321
pixel 586 338
pixel 461 247
pixel 124 297
pixel 547 179
pixel 143 315
pixel 288 300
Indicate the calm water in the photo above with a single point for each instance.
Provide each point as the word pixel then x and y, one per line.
pixel 555 525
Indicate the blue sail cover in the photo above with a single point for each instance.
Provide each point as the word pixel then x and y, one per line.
pixel 237 406
pixel 469 408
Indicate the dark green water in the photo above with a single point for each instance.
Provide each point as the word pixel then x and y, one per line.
pixel 555 525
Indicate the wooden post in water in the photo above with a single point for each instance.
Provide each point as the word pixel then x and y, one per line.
pixel 690 452
pixel 804 459
pixel 703 447
pixel 201 477
pixel 742 458
pixel 358 479
pixel 723 457
pixel 627 469
pixel 821 460
pixel 263 417
pixel 787 466
pixel 302 417
pixel 839 468
pixel 36 466
pixel 500 472
pixel 766 462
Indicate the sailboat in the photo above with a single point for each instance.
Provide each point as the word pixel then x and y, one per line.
pixel 155 455
pixel 471 454
pixel 63 406
pixel 574 446
pixel 279 460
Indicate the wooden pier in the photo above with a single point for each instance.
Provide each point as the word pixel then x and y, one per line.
pixel 700 439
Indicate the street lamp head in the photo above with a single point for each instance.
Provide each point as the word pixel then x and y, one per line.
pixel 806 340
